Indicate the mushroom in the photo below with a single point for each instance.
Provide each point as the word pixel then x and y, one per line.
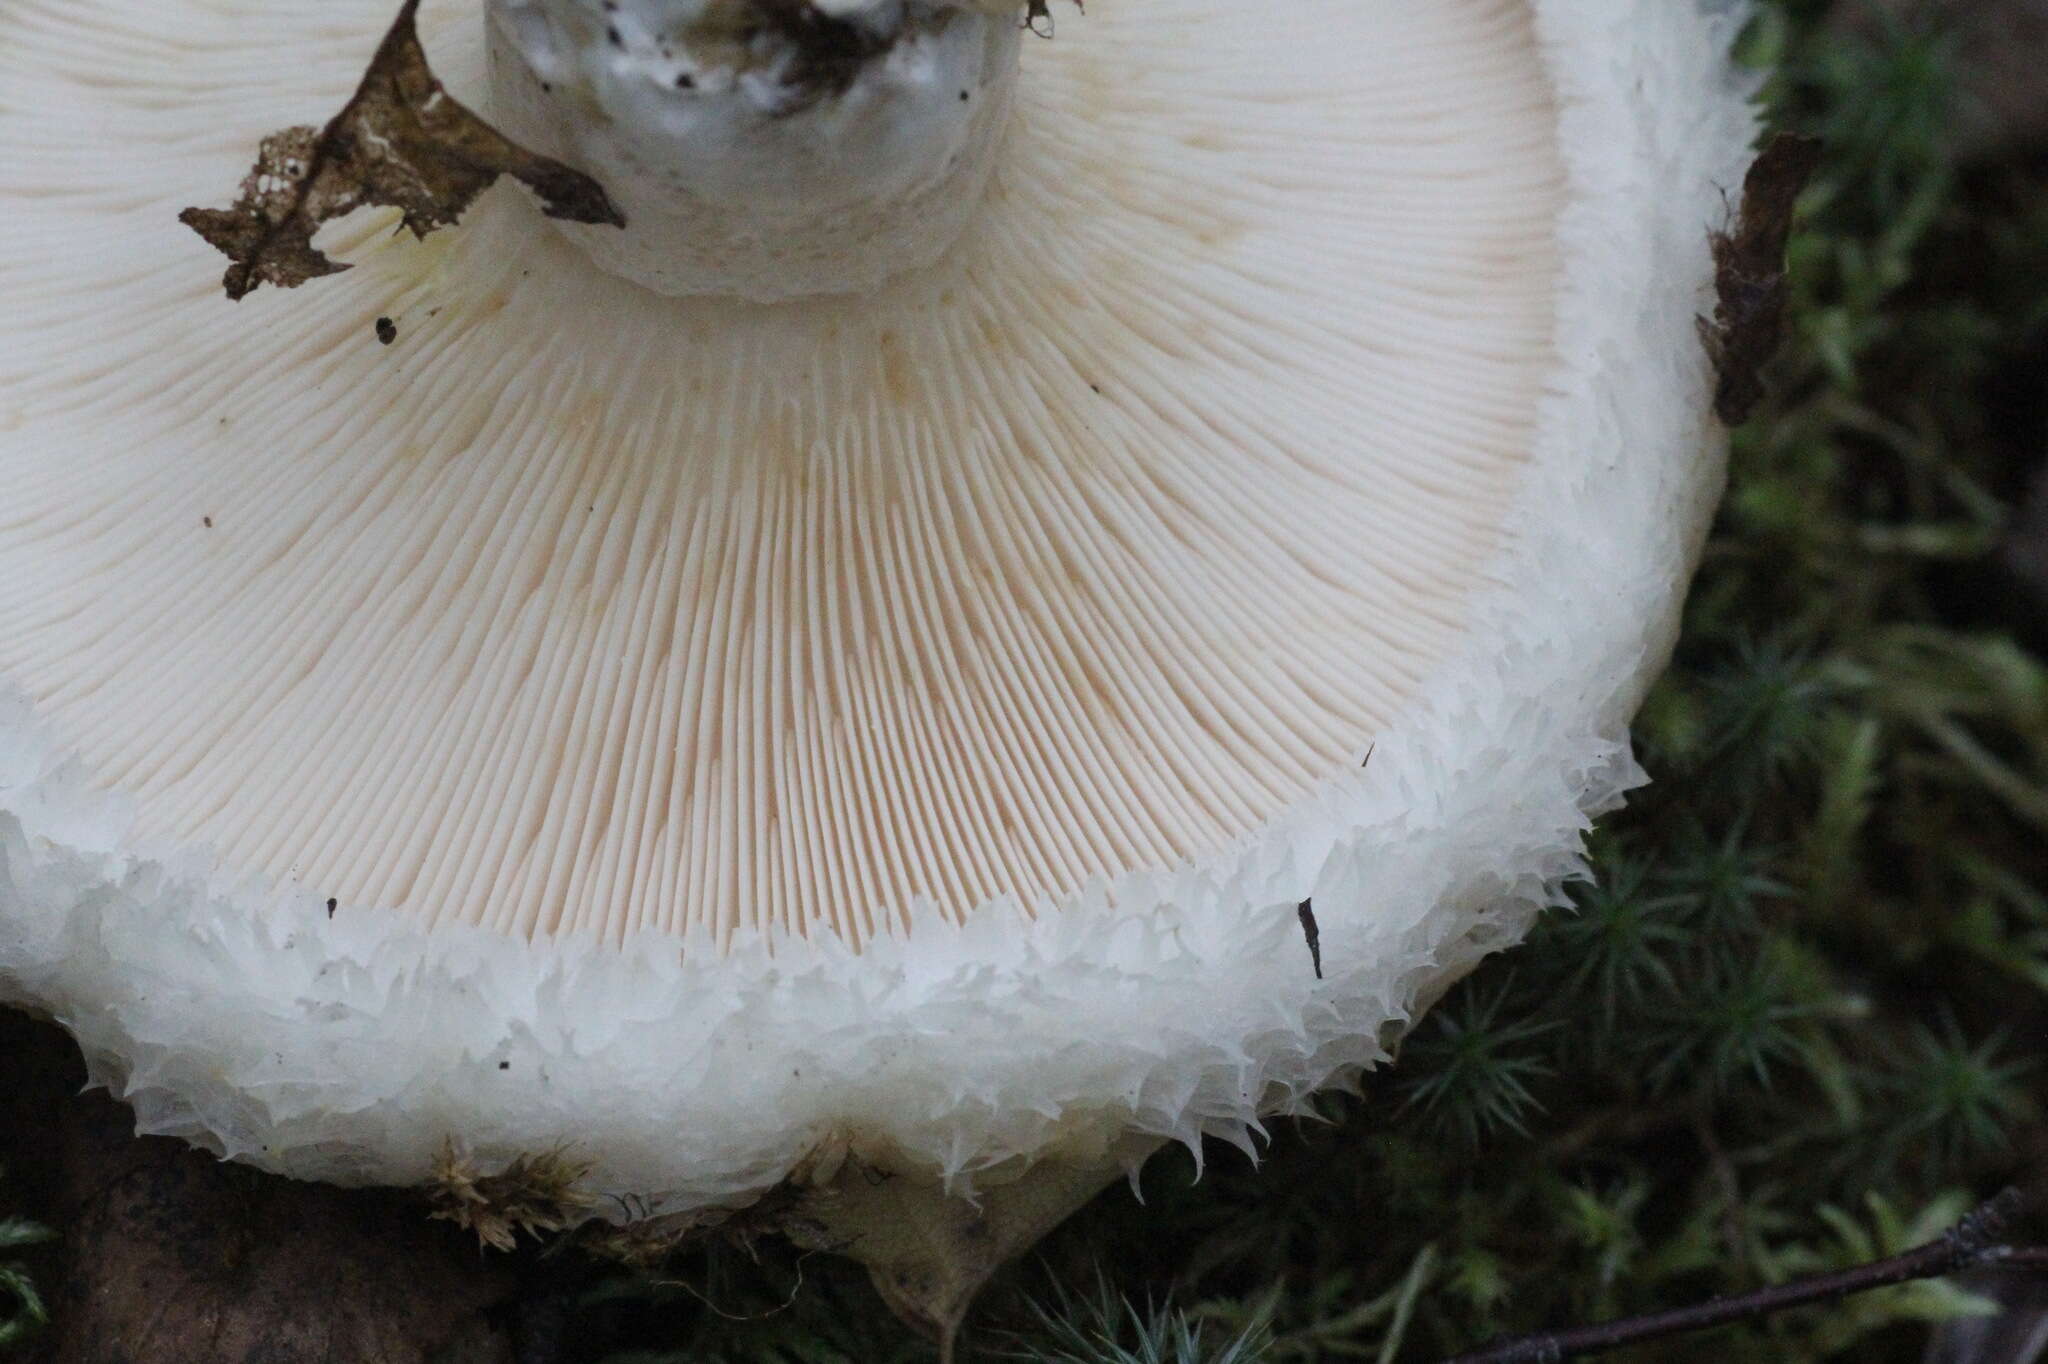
pixel 869 668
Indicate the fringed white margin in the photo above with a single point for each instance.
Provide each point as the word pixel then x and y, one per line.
pixel 1177 1003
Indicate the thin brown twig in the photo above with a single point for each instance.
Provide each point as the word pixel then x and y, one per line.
pixel 1976 1241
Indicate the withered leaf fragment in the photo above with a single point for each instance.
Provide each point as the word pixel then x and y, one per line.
pixel 1748 324
pixel 400 142
pixel 1306 912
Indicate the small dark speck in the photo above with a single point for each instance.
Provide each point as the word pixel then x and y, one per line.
pixel 547 87
pixel 504 1065
pixel 433 312
pixel 964 97
pixel 1095 388
pixel 611 34
pixel 1307 914
pixel 331 907
pixel 206 521
pixel 387 330
pixel 684 81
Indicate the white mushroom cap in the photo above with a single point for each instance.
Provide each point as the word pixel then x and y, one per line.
pixel 904 720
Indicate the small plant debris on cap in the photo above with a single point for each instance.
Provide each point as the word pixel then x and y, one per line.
pixel 401 142
pixel 1748 324
pixel 1306 912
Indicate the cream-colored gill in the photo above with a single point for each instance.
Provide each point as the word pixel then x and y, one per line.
pixel 1090 547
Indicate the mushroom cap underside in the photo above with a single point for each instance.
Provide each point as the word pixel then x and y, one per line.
pixel 914 715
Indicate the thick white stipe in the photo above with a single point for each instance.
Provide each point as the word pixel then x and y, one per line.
pixel 737 175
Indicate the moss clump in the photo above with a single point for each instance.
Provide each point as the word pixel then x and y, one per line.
pixel 22 1313
pixel 535 1196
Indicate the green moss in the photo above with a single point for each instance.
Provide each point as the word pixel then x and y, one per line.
pixel 22 1314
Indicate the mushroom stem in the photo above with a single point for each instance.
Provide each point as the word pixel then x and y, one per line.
pixel 930 1251
pixel 768 149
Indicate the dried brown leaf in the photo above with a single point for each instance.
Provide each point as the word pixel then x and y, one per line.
pixel 401 142
pixel 1748 324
